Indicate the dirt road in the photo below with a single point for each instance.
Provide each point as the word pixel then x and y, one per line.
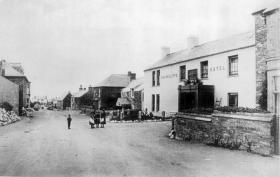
pixel 44 146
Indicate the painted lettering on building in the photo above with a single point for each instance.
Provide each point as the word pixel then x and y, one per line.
pixel 217 68
pixel 169 76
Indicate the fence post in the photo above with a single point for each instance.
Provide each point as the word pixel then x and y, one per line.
pixel 277 135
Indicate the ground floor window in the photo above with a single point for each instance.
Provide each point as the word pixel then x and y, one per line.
pixel 153 102
pixel 158 102
pixel 233 99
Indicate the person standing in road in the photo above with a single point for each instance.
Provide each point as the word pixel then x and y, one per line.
pixel 91 120
pixel 103 116
pixel 69 119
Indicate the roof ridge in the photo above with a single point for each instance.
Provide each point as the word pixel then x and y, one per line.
pixel 236 41
pixel 227 37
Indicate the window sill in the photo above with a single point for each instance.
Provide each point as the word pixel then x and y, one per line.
pixel 233 75
pixel 206 78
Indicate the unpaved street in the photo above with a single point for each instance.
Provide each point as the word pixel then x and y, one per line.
pixel 44 146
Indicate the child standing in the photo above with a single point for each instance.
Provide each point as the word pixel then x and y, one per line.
pixel 69 119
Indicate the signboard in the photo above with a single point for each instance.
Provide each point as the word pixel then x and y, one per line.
pixel 217 68
pixel 169 76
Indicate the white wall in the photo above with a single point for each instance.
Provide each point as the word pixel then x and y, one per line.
pixel 244 83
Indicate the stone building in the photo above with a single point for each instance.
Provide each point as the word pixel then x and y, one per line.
pixel 77 98
pixel 236 67
pixel 64 101
pixel 9 92
pixel 14 72
pixel 106 93
pixel 132 94
pixel 267 29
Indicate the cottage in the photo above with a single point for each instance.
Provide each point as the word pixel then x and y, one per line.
pixel 64 101
pixel 132 95
pixel 14 72
pixel 234 67
pixel 106 93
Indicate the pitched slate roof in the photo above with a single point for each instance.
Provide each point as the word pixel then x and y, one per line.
pixel 134 85
pixel 79 93
pixel 61 97
pixel 11 71
pixel 210 48
pixel 139 88
pixel 14 70
pixel 114 80
pixel 122 101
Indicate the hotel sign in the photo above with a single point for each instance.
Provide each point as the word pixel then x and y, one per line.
pixel 217 68
pixel 169 76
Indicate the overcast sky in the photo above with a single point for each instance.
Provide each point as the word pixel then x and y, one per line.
pixel 65 43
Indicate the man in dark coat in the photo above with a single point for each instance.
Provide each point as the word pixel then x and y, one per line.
pixel 103 116
pixel 69 119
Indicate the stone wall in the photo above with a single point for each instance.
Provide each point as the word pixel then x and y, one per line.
pixel 239 132
pixel 9 92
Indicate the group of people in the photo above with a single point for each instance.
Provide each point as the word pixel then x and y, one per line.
pixel 97 119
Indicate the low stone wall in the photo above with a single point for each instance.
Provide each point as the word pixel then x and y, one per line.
pixel 250 132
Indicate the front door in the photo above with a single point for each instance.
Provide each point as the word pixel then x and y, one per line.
pixel 186 101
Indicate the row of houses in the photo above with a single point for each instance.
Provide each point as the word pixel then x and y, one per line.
pixel 14 86
pixel 117 90
pixel 239 71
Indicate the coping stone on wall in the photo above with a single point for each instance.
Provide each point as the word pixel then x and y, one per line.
pixel 264 117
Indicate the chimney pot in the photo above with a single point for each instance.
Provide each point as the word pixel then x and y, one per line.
pixel 192 41
pixel 165 51
pixel 132 76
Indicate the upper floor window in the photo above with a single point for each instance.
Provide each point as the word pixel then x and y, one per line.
pixel 233 65
pixel 158 77
pixel 192 74
pixel 182 72
pixel 153 78
pixel 204 69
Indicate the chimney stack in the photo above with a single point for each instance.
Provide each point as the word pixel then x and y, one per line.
pixel 165 51
pixel 132 76
pixel 192 41
pixel 2 67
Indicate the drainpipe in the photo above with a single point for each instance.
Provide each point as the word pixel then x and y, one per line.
pixel 276 92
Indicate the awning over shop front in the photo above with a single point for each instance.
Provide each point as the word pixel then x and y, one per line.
pixel 122 101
